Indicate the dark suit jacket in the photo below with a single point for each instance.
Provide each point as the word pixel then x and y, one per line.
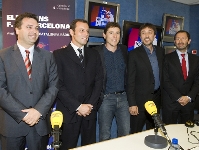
pixel 174 84
pixel 17 92
pixel 140 85
pixel 78 84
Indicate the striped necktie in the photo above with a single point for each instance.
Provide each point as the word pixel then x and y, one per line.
pixel 28 64
pixel 81 57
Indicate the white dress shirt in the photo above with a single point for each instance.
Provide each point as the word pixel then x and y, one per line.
pixel 23 53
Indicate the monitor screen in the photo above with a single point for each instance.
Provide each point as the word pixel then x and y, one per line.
pixel 131 36
pixel 98 14
pixel 171 25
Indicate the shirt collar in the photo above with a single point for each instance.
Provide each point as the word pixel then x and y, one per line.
pixel 147 49
pixel 76 47
pixel 22 49
pixel 179 52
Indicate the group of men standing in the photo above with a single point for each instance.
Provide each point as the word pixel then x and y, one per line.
pixel 84 81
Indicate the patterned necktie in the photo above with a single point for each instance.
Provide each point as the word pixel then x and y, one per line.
pixel 81 57
pixel 28 64
pixel 184 69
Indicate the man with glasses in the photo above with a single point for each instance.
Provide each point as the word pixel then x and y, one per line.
pixel 181 81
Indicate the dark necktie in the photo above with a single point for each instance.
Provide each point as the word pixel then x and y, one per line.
pixel 184 68
pixel 81 57
pixel 28 64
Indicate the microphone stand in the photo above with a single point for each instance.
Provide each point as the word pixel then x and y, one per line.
pixel 155 141
pixel 56 133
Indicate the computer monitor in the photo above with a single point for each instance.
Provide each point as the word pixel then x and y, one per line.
pixel 98 13
pixel 171 25
pixel 131 38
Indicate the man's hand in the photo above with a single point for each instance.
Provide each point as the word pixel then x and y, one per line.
pixel 183 100
pixel 32 116
pixel 133 110
pixel 85 110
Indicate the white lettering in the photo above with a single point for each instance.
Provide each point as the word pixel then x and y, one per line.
pixel 11 17
pixel 48 146
pixel 54 26
pixel 43 18
pixel 9 24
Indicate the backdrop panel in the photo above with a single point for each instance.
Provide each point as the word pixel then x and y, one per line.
pixel 54 19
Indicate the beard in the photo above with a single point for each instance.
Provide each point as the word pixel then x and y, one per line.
pixel 182 46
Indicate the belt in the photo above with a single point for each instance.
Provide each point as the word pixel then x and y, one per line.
pixel 156 91
pixel 119 92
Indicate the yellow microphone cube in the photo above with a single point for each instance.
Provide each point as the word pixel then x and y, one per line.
pixel 150 107
pixel 56 118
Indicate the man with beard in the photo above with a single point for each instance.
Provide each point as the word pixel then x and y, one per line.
pixel 180 81
pixel 144 78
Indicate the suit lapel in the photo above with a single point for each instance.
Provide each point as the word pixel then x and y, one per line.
pixel 86 56
pixel 176 61
pixel 37 58
pixel 159 58
pixel 145 59
pixel 191 64
pixel 17 57
pixel 72 55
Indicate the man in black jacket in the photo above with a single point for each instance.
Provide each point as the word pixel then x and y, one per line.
pixel 80 80
pixel 181 85
pixel 144 78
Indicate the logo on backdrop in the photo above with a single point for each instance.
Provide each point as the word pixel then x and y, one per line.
pixel 54 31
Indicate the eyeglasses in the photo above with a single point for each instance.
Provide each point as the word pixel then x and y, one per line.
pixel 182 39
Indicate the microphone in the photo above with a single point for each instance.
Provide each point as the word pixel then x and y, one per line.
pixel 56 120
pixel 152 110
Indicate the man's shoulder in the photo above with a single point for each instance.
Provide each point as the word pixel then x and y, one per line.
pixel 159 48
pixel 171 55
pixel 193 56
pixel 99 47
pixel 137 49
pixel 122 46
pixel 43 52
pixel 90 50
pixel 6 50
pixel 62 50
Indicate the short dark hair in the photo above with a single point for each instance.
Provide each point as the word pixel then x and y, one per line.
pixel 18 21
pixel 73 23
pixel 182 31
pixel 111 25
pixel 148 25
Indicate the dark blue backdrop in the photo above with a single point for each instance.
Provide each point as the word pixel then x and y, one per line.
pixel 152 11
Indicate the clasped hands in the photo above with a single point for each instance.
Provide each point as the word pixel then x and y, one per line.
pixel 183 100
pixel 84 110
pixel 32 116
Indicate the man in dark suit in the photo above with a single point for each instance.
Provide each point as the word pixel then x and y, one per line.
pixel 28 89
pixel 115 104
pixel 80 78
pixel 181 81
pixel 144 78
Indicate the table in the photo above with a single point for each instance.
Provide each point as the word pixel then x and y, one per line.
pixel 136 141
